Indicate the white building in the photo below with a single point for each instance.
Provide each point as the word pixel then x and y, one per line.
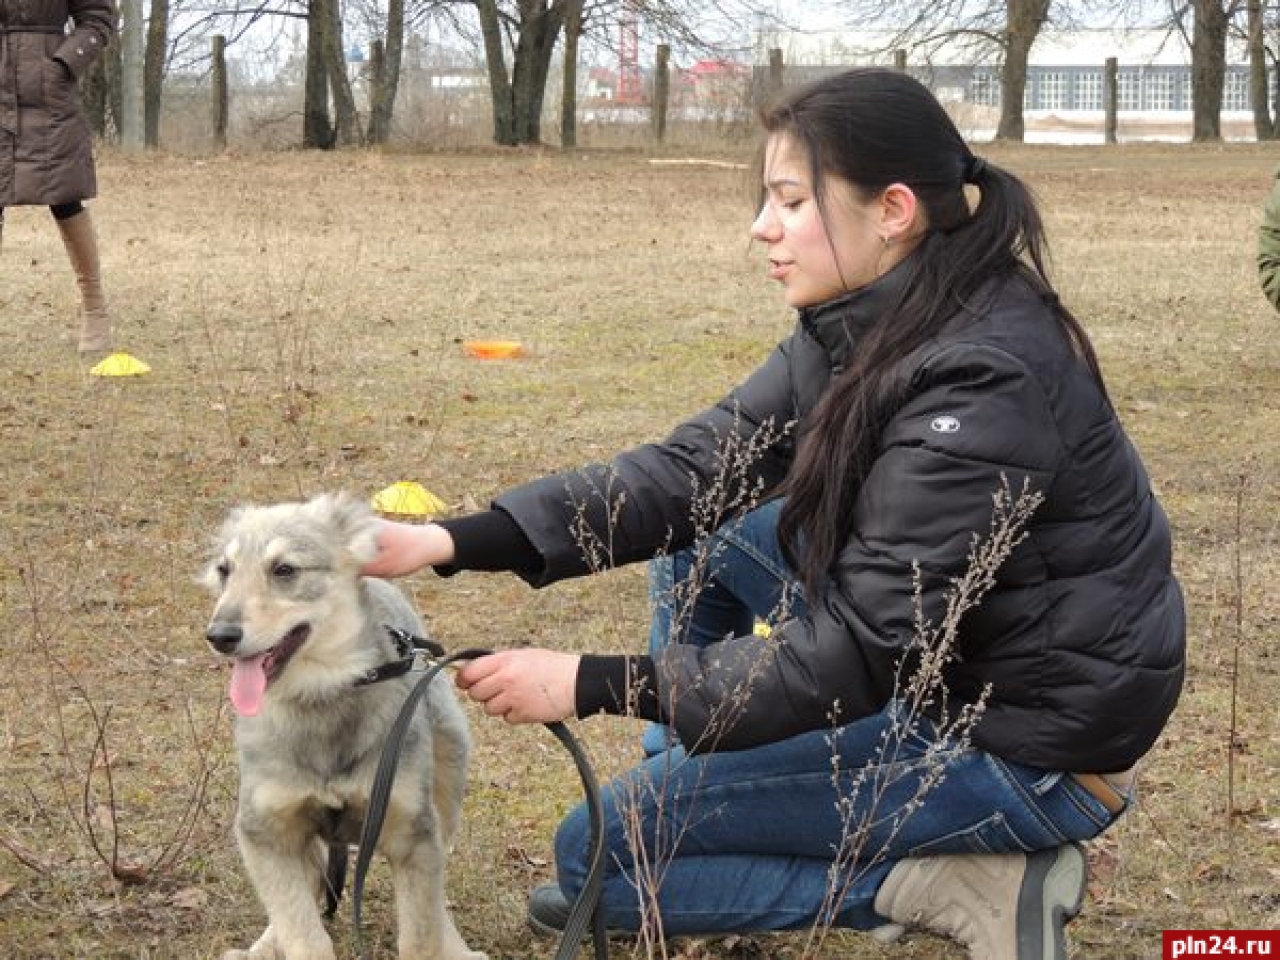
pixel 1064 73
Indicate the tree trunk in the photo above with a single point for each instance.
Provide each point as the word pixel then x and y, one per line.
pixel 131 47
pixel 95 92
pixel 386 78
pixel 153 71
pixel 1263 125
pixel 539 28
pixel 1275 98
pixel 1208 70
pixel 1025 18
pixel 317 128
pixel 496 62
pixel 346 119
pixel 569 95
pixel 518 96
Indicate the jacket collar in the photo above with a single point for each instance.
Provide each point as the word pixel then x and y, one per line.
pixel 840 324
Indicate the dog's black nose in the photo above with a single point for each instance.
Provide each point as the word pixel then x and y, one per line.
pixel 224 637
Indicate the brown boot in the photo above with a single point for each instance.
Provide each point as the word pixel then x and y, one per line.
pixel 1007 906
pixel 82 251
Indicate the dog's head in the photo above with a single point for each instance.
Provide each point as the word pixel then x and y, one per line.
pixel 286 578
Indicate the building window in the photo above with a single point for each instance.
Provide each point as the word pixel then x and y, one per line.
pixel 1089 90
pixel 1236 94
pixel 1158 94
pixel 984 88
pixel 1053 91
pixel 1128 90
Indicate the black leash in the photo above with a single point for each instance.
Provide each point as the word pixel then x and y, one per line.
pixel 584 913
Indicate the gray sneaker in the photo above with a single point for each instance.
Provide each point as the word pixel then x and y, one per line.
pixel 548 910
pixel 1001 906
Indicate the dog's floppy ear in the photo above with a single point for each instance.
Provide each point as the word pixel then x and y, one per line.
pixel 354 520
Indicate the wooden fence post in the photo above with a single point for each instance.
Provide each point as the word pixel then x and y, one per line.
pixel 776 71
pixel 661 90
pixel 218 73
pixel 1110 100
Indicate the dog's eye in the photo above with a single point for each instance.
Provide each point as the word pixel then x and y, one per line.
pixel 284 571
pixel 223 569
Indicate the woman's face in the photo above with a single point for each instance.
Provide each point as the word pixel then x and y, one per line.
pixel 815 254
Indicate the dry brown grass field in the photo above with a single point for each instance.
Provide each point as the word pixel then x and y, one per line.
pixel 303 316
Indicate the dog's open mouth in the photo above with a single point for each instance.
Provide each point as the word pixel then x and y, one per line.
pixel 251 675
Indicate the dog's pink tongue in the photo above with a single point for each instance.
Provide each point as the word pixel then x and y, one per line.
pixel 248 684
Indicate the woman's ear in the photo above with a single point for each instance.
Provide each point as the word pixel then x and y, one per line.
pixel 898 208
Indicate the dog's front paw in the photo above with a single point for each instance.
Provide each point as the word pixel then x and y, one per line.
pixel 458 950
pixel 263 949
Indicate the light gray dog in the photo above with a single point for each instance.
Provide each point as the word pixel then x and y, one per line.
pixel 300 627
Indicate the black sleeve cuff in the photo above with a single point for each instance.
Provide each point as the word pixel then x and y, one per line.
pixel 488 541
pixel 619 685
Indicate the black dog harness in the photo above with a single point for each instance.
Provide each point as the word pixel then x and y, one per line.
pixel 409 646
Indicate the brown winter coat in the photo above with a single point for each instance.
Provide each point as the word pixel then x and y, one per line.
pixel 46 148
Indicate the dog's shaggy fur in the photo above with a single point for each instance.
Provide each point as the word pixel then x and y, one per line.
pixel 300 625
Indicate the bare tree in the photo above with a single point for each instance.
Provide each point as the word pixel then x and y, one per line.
pixel 1208 67
pixel 1024 20
pixel 318 131
pixel 1003 30
pixel 155 58
pixel 1264 125
pixel 569 94
pixel 386 75
pixel 100 92
pixel 326 75
pixel 519 37
pixel 518 90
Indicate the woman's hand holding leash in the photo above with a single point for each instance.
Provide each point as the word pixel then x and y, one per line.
pixel 523 686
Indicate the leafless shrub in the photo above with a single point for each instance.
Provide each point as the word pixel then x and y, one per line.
pixel 87 784
pixel 921 697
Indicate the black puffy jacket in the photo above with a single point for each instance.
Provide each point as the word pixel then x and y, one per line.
pixel 1081 638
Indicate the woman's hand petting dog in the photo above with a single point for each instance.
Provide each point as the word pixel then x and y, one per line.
pixel 405 548
pixel 523 686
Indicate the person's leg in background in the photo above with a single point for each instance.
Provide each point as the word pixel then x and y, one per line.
pixel 81 242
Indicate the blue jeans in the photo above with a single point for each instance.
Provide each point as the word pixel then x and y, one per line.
pixel 804 830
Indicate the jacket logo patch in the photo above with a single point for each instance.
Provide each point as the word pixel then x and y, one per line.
pixel 945 425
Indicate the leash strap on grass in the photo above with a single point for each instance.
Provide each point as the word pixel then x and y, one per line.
pixel 584 912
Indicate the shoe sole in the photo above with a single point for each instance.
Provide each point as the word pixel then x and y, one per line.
pixel 547 930
pixel 1052 894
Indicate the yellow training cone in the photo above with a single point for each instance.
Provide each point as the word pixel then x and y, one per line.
pixel 408 499
pixel 120 365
